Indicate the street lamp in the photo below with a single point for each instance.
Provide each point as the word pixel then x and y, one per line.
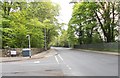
pixel 28 36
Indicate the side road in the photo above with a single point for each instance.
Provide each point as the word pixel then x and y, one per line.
pixel 13 59
pixel 101 52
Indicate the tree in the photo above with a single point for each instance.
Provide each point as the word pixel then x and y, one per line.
pixel 94 22
pixel 28 18
pixel 83 21
pixel 106 15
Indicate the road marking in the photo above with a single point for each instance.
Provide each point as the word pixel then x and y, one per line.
pixel 36 61
pixel 57 60
pixel 68 67
pixel 60 57
pixel 56 53
pixel 63 61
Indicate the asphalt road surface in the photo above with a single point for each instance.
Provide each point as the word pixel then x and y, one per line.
pixel 64 62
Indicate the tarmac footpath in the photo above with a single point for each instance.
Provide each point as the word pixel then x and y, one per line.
pixel 100 52
pixel 14 59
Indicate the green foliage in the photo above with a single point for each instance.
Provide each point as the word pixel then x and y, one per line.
pixel 93 22
pixel 83 22
pixel 22 18
pixel 61 39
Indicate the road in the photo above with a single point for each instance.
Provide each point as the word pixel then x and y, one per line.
pixel 64 62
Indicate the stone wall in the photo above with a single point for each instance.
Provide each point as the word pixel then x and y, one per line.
pixel 6 52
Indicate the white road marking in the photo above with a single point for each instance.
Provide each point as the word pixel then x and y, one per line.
pixel 36 61
pixel 60 57
pixel 62 60
pixel 64 63
pixel 68 67
pixel 57 60
pixel 56 53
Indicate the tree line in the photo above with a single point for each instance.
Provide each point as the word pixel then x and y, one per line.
pixel 92 22
pixel 37 19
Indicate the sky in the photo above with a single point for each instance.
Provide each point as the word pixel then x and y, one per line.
pixel 65 12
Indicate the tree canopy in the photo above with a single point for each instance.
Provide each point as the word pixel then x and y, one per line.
pixel 22 18
pixel 94 22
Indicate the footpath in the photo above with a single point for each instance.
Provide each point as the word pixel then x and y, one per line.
pixel 42 55
pixel 101 52
pixel 13 59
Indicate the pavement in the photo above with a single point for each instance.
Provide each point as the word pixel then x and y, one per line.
pixel 41 55
pixel 13 59
pixel 101 52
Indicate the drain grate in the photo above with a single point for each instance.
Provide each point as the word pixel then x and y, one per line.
pixel 12 72
pixel 17 72
pixel 48 70
pixel 51 70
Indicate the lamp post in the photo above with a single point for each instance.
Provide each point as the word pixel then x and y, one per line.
pixel 28 40
pixel 28 36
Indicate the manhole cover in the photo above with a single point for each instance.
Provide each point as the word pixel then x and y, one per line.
pixel 12 72
pixel 17 72
pixel 48 70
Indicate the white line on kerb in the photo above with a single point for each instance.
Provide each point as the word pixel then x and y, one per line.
pixel 68 67
pixel 36 61
pixel 57 60
pixel 60 57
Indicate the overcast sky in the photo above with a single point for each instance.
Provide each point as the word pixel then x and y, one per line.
pixel 65 12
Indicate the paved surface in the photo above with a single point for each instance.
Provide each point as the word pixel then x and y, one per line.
pixel 101 52
pixel 64 62
pixel 13 59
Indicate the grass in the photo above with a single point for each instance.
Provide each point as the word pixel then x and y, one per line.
pixel 109 50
